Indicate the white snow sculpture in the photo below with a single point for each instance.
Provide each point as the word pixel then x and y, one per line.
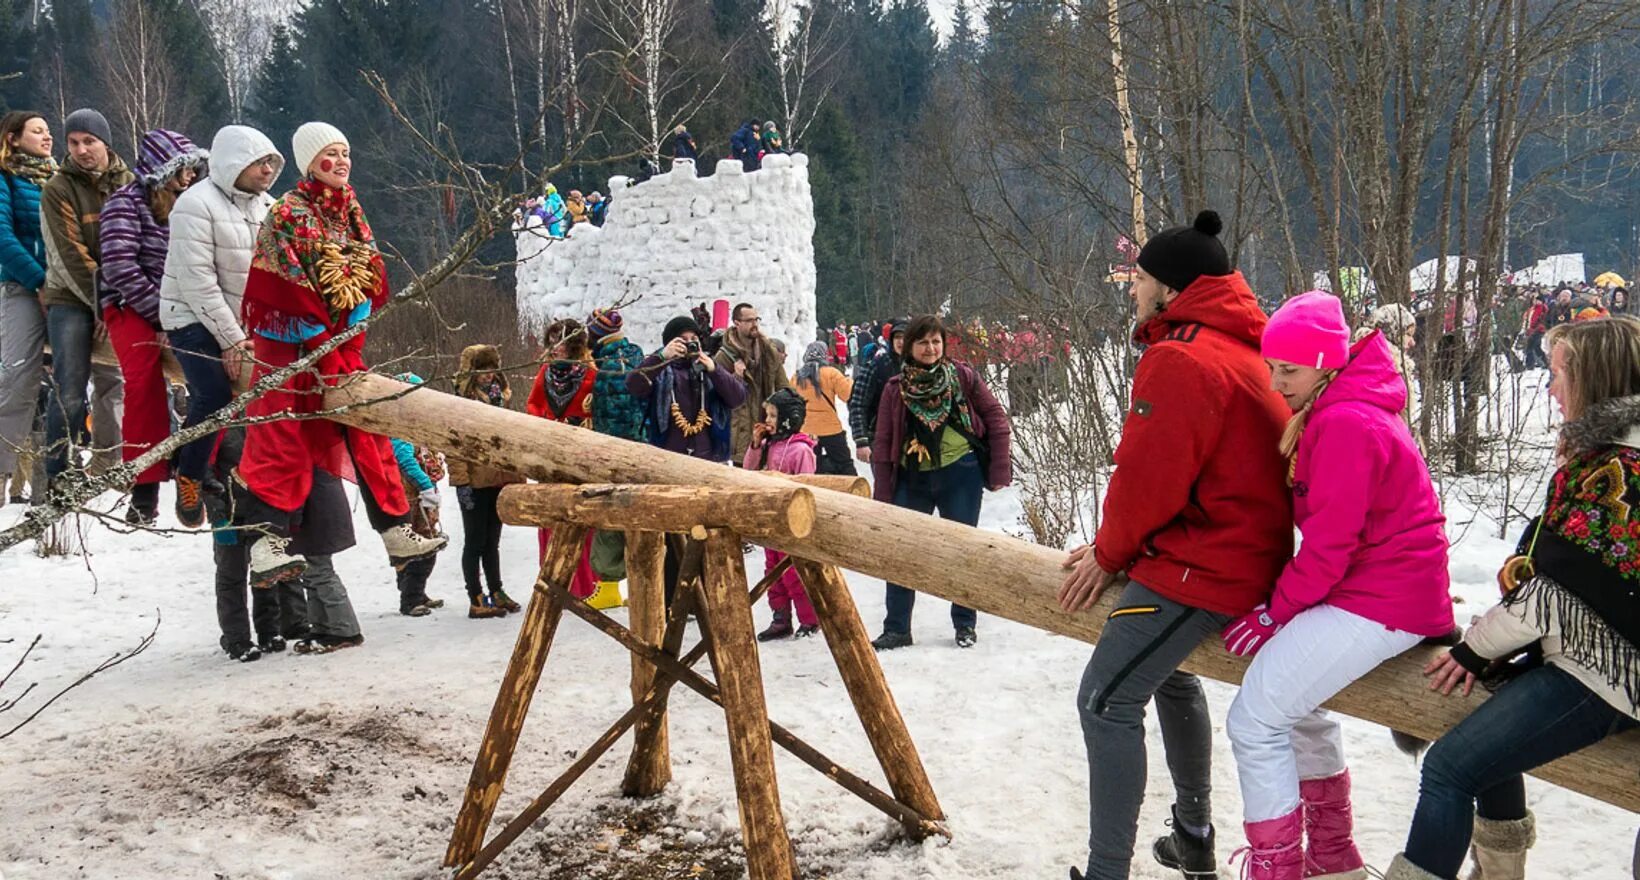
pixel 677 241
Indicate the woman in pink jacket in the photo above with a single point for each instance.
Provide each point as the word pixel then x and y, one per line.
pixel 779 444
pixel 1368 582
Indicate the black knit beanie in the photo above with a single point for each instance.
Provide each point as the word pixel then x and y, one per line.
pixel 677 327
pixel 1177 256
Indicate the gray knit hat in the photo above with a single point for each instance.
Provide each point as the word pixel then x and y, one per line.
pixel 88 121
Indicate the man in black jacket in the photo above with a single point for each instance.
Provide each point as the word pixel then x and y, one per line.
pixel 872 377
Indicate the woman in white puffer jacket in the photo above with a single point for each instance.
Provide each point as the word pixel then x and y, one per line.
pixel 213 235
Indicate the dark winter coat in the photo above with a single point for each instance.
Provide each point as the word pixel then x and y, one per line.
pixel 683 146
pixel 71 206
pixel 615 410
pixel 1198 507
pixel 325 523
pixel 764 376
pixel 991 427
pixel 657 383
pixel 743 145
pixel 22 248
pixel 870 379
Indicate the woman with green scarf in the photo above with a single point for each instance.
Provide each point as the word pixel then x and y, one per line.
pixel 25 166
pixel 942 440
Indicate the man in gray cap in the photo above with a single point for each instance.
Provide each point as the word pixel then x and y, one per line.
pixel 70 205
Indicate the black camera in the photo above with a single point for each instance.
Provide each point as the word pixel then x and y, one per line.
pixel 691 347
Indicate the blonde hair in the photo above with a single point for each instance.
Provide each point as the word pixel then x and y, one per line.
pixel 1602 360
pixel 1295 425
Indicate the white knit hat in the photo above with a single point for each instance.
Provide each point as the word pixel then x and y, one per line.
pixel 311 139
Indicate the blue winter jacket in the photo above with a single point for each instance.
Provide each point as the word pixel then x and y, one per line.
pixel 614 410
pixel 22 247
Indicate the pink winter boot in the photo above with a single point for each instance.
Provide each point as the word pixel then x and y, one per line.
pixel 1274 849
pixel 1330 853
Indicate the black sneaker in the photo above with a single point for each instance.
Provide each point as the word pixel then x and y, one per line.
pixel 144 509
pixel 966 637
pixel 779 628
pixel 888 641
pixel 1186 853
pixel 244 652
pixel 190 502
pixel 274 645
pixel 804 632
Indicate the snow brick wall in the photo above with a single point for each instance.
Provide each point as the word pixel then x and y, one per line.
pixel 677 241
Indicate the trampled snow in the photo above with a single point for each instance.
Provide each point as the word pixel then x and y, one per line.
pixel 183 764
pixel 677 241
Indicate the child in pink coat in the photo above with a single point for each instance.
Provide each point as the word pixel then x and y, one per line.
pixel 779 444
pixel 1368 582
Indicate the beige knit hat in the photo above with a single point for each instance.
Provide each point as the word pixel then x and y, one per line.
pixel 311 139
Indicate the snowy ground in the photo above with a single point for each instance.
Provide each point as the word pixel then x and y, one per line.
pixel 182 764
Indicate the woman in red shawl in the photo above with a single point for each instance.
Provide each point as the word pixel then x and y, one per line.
pixel 563 393
pixel 316 272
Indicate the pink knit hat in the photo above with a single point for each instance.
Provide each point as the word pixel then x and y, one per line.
pixel 1308 330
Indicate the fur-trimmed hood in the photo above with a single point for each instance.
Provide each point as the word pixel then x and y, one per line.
pixel 1614 422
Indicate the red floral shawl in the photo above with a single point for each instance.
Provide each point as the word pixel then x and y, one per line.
pixel 296 250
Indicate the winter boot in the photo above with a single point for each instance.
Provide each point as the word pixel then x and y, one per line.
pixel 272 644
pixel 144 509
pixel 966 637
pixel 1401 869
pixel 888 641
pixel 404 544
pixel 270 564
pixel 779 628
pixel 1499 847
pixel 1329 850
pixel 501 600
pixel 804 632
pixel 244 652
pixel 1275 848
pixel 190 503
pixel 1186 853
pixel 482 609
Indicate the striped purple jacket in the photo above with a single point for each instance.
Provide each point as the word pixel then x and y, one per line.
pixel 133 242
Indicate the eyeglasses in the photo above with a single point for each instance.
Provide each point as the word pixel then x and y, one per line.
pixel 267 162
pixel 748 320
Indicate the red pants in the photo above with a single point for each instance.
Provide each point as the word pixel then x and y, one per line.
pixel 788 591
pixel 280 456
pixel 584 583
pixel 147 418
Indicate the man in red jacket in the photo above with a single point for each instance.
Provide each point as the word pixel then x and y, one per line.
pixel 1197 514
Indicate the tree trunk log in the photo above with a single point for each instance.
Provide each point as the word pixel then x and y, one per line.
pixel 740 681
pixel 873 702
pixel 989 571
pixel 512 702
pixel 785 511
pixel 650 768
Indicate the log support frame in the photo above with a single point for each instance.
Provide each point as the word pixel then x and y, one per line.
pixel 712 579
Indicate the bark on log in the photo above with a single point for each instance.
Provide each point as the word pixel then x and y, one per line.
pixel 835 482
pixel 784 512
pixel 512 701
pixel 989 571
pixel 650 767
pixel 863 677
pixel 740 681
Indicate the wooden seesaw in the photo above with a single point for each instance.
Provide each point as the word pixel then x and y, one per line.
pixel 987 571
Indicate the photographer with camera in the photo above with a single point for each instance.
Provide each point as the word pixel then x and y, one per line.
pixel 687 399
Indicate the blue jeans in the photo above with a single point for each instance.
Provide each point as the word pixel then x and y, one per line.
pixel 69 329
pixel 955 491
pixel 1543 715
pixel 208 391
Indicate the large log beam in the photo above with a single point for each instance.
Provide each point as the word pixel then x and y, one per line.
pixel 986 570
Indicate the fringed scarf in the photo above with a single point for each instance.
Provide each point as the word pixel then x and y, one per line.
pixel 34 169
pixel 932 395
pixel 316 261
pixel 563 386
pixel 1599 627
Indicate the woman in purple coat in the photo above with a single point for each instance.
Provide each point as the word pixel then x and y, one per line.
pixel 942 440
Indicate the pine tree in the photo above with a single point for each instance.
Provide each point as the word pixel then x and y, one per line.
pixel 17 46
pixel 963 47
pixel 281 91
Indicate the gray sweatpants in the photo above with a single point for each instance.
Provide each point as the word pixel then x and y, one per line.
pixel 329 610
pixel 1137 659
pixel 22 347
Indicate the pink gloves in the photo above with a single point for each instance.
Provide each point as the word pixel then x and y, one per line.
pixel 1251 631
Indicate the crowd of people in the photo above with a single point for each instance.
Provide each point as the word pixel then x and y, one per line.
pixel 1241 428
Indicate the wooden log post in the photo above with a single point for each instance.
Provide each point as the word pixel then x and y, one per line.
pixel 650 767
pixel 740 680
pixel 512 701
pixel 863 677
pixel 783 511
pixel 985 570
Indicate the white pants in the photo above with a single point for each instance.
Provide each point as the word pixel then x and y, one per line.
pixel 1278 731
